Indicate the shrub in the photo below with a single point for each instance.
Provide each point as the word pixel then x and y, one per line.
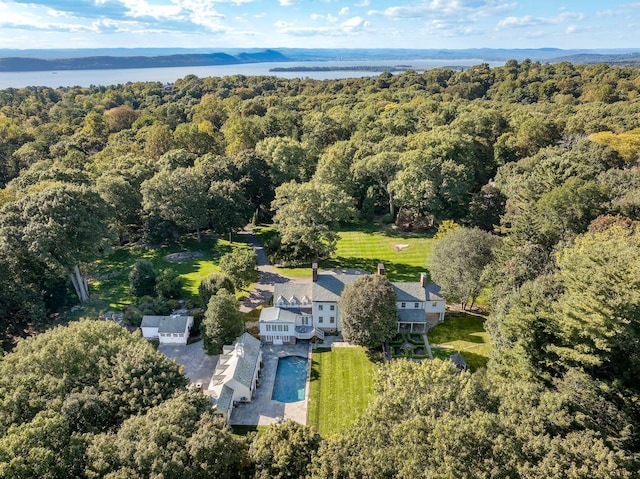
pixel 213 283
pixel 169 284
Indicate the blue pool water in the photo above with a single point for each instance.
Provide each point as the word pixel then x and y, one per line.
pixel 291 378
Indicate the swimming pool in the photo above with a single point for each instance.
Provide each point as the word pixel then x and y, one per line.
pixel 291 379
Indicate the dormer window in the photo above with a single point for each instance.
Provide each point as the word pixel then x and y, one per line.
pixel 293 300
pixel 281 300
pixel 305 300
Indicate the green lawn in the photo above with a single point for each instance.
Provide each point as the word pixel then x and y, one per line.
pixel 111 272
pixel 364 246
pixel 341 388
pixel 464 333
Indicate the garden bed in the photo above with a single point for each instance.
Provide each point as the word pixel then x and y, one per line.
pixel 408 345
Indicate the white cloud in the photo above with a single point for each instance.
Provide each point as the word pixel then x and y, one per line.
pixel 363 3
pixel 141 8
pixel 344 11
pixel 351 26
pixel 288 3
pixel 530 21
pixel 469 9
pixel 329 18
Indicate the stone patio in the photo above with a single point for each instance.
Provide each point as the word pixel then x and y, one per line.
pixel 262 410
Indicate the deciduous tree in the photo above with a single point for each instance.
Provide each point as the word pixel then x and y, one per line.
pixel 284 451
pixel 223 321
pixel 304 215
pixel 241 266
pixel 59 226
pixel 368 311
pixel 458 260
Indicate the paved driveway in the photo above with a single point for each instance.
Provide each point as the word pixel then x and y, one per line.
pixel 267 276
pixel 198 366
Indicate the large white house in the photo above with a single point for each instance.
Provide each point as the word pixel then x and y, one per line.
pixel 236 374
pixel 172 329
pixel 305 310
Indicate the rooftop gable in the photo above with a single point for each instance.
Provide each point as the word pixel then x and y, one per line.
pixel 432 291
pixel 329 286
pixel 406 291
pixel 174 324
pixel 277 314
pixel 150 321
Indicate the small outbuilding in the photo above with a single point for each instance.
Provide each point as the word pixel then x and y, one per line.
pixel 172 329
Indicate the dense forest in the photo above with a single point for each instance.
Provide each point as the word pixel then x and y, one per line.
pixel 542 156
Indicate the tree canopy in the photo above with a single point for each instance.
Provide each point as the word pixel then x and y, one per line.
pixel 458 260
pixel 223 322
pixel 368 311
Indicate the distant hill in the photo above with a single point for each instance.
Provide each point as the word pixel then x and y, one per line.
pixel 591 58
pixel 122 58
pixel 23 64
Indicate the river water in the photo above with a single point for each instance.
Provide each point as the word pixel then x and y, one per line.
pixel 169 75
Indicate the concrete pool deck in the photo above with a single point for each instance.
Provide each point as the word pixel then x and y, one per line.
pixel 262 410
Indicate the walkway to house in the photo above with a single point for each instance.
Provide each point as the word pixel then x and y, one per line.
pixel 268 276
pixel 262 410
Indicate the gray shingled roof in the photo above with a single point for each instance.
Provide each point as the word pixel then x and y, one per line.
pixel 412 316
pixel 225 401
pixel 173 324
pixel 277 314
pixel 288 290
pixel 150 321
pixel 247 362
pixel 409 291
pixel 329 286
pixel 433 292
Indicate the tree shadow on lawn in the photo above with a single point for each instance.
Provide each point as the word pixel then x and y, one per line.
pixel 115 290
pixel 474 361
pixel 386 230
pixel 394 271
pixel 315 365
pixel 458 328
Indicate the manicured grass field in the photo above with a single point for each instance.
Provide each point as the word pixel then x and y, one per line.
pixel 341 388
pixel 464 333
pixel 364 246
pixel 112 272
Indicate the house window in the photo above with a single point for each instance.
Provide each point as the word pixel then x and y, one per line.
pixel 403 305
pixel 320 307
pixel 175 335
pixel 434 304
pixel 286 327
pixel 416 305
pixel 332 307
pixel 332 319
pixel 320 319
pixel 267 327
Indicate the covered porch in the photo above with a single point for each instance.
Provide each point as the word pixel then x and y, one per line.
pixel 412 321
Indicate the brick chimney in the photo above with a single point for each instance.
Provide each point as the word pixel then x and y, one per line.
pixel 423 280
pixel 380 269
pixel 314 272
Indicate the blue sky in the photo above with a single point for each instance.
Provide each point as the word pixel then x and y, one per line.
pixel 319 23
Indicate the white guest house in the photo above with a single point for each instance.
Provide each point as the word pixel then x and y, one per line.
pixel 172 329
